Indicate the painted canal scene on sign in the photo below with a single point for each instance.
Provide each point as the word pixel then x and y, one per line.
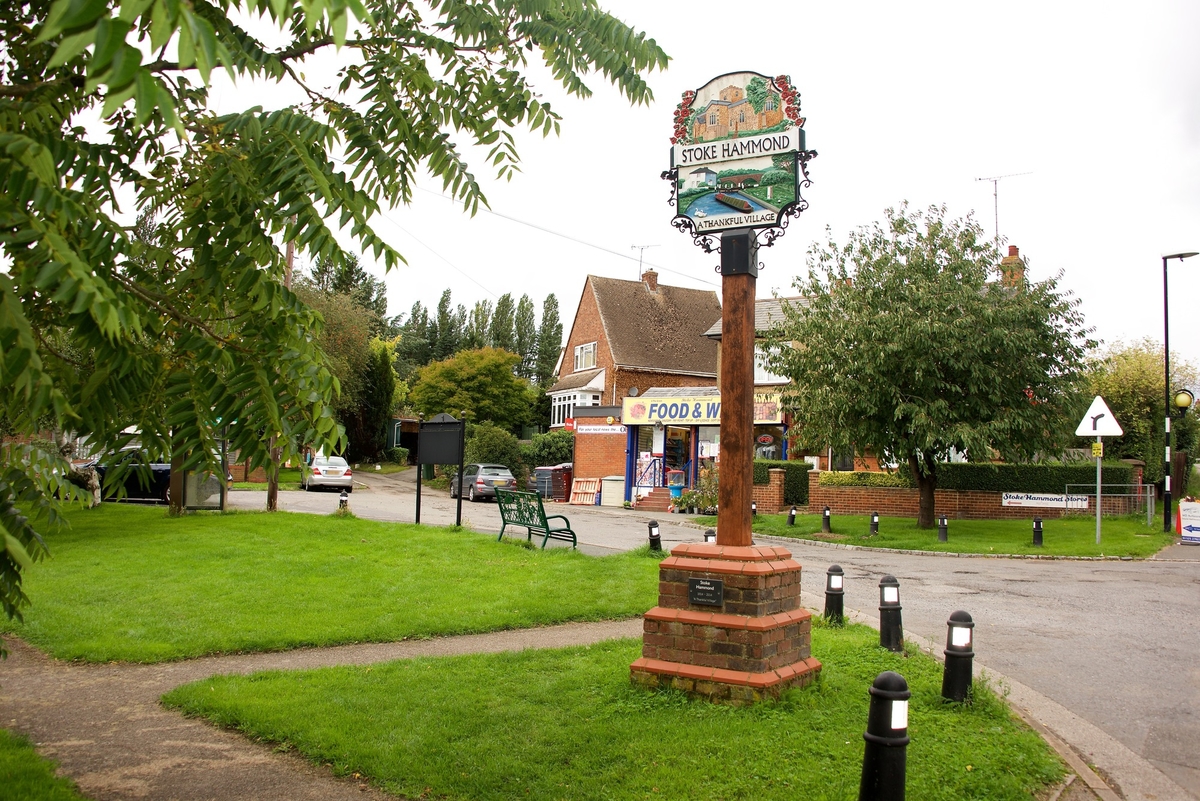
pixel 735 151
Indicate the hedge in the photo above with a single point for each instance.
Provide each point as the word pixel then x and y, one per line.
pixel 1044 478
pixel 795 478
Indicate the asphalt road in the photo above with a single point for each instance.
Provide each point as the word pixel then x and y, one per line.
pixel 1104 653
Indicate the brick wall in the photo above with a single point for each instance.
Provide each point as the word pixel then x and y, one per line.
pixel 955 504
pixel 769 496
pixel 625 379
pixel 256 476
pixel 586 328
pixel 599 455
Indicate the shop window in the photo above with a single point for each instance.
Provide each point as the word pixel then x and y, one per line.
pixel 585 356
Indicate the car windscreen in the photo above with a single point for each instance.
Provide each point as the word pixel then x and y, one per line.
pixel 496 471
pixel 336 461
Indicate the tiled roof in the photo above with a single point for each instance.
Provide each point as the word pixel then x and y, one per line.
pixel 768 313
pixel 661 330
pixel 681 392
pixel 577 380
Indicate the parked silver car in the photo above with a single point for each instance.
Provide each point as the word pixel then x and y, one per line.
pixel 327 471
pixel 481 481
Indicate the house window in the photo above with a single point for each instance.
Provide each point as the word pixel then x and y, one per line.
pixel 712 118
pixel 762 375
pixel 770 103
pixel 741 115
pixel 585 356
pixel 564 405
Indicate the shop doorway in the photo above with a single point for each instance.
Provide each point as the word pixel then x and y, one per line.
pixel 677 452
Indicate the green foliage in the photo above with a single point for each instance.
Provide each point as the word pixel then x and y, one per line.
pixel 477 383
pixel 865 478
pixel 271 582
pixel 25 775
pixel 773 177
pixel 795 478
pixel 189 329
pixel 348 277
pixel 525 338
pixel 366 424
pixel 396 455
pixel 1048 478
pixel 756 93
pixel 549 341
pixel 1130 379
pixel 553 448
pixel 910 349
pixel 503 320
pixel 567 723
pixel 489 443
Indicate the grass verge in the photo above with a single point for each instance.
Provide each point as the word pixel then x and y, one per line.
pixel 566 723
pixel 25 776
pixel 1068 536
pixel 132 584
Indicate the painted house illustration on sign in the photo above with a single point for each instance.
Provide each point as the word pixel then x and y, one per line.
pixel 732 113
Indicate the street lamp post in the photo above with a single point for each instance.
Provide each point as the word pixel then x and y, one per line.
pixel 1167 391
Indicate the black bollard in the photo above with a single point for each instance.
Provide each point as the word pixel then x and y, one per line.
pixel 753 508
pixel 885 757
pixel 655 539
pixel 875 522
pixel 960 656
pixel 826 522
pixel 943 529
pixel 792 517
pixel 344 501
pixel 1037 531
pixel 710 535
pixel 834 600
pixel 891 629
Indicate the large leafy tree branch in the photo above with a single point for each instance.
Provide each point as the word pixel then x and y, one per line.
pixel 104 111
pixel 911 344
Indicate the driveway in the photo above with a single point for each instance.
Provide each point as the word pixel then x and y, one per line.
pixel 1104 653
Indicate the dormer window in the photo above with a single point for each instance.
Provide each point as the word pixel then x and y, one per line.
pixel 585 356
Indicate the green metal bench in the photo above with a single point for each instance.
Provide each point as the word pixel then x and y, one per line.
pixel 525 509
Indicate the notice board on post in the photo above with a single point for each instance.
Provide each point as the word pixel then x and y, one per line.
pixel 440 441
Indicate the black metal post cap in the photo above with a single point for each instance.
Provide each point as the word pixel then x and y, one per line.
pixel 891 685
pixel 835 570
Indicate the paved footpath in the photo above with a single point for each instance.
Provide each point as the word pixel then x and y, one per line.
pixel 1102 654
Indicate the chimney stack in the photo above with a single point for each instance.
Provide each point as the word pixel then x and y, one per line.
pixel 1012 268
pixel 650 279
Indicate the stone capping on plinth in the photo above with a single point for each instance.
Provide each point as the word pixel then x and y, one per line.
pixel 732 553
pixel 803 669
pixel 727 621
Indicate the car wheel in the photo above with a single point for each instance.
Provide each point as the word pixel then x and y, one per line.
pixel 166 495
pixel 453 491
pixel 471 494
pixel 349 490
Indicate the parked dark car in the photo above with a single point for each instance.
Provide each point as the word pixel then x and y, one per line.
pixel 481 481
pixel 145 482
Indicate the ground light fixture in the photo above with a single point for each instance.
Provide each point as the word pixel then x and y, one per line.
pixel 885 756
pixel 960 657
pixel 891 627
pixel 753 508
pixel 943 529
pixel 792 517
pixel 655 539
pixel 344 500
pixel 874 522
pixel 826 522
pixel 1037 532
pixel 710 535
pixel 1186 254
pixel 834 594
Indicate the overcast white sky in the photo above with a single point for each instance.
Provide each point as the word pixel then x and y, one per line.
pixel 1099 101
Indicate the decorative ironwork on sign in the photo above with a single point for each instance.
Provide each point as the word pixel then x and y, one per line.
pixel 738 158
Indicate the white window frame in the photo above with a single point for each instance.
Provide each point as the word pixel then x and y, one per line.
pixel 585 357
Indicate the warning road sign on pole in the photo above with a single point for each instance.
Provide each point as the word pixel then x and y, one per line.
pixel 1099 421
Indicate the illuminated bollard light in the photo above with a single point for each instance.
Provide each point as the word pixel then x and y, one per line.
pixel 885 757
pixel 891 628
pixel 834 592
pixel 826 522
pixel 655 539
pixel 792 517
pixel 960 657
pixel 1037 531
pixel 875 522
pixel 753 508
pixel 710 535
pixel 344 501
pixel 943 529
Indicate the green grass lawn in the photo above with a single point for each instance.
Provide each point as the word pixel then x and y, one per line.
pixel 289 479
pixel 130 583
pixel 1070 536
pixel 568 724
pixel 25 776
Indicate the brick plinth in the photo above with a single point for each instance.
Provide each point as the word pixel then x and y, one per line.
pixel 756 643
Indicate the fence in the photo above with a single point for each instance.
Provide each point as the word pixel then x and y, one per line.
pixel 1115 499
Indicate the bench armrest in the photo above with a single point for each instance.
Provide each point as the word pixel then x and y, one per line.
pixel 557 517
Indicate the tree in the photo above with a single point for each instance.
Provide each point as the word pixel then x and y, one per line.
pixel 366 424
pixel 479 383
pixel 489 443
pixel 478 322
pixel 501 332
pixel 228 190
pixel 344 338
pixel 525 337
pixel 1130 379
pixel 348 277
pixel 414 350
pixel 549 343
pixel 447 333
pixel 909 350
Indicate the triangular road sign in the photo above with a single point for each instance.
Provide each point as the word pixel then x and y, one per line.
pixel 1099 421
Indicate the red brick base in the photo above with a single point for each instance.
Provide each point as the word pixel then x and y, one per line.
pixel 754 645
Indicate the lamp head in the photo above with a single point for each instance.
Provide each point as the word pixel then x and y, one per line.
pixel 1184 399
pixel 1186 254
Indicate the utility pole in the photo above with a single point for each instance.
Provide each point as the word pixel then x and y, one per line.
pixel 273 472
pixel 995 179
pixel 641 249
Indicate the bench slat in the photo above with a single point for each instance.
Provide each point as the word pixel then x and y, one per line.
pixel 525 509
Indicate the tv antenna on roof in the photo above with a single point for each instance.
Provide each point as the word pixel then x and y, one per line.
pixel 641 249
pixel 995 179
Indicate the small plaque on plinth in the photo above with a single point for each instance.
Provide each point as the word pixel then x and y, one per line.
pixel 706 592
